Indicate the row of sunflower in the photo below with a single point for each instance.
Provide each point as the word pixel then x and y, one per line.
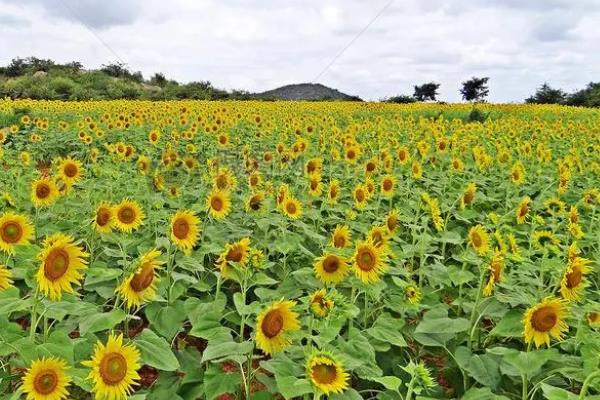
pixel 291 250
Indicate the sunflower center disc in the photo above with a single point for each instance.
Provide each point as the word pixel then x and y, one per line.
pixel 181 229
pixel 45 382
pixel 365 260
pixel 216 203
pixel 102 217
pixel 387 185
pixel 234 255
pixel 272 324
pixel 11 232
pixel 127 215
pixel 56 264
pixel 544 319
pixel 70 170
pixel 324 374
pixel 339 241
pixel 143 279
pixel 291 208
pixel 476 240
pixel 113 368
pixel 574 278
pixel 331 264
pixel 42 191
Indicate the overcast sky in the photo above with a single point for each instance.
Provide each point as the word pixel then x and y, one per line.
pixel 259 45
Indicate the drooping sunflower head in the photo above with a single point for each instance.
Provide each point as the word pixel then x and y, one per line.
pixel 523 210
pixel 114 368
pixel 140 286
pixel 545 321
pixel 593 318
pixel 255 202
pixel 333 192
pixel 103 218
pixel 330 268
pixel 326 373
pixel 143 164
pixel 128 216
pixel 238 252
pixel 469 195
pixel 320 303
pixel 573 282
pixel 44 192
pixel 218 204
pixel 341 237
pixel 185 230
pixel 544 240
pixel 379 236
pixel 5 278
pixel 15 230
pixel 495 275
pixel 62 261
pixel 392 221
pixel 370 261
pixel 479 239
pixel 274 324
pixel 70 171
pixel 555 207
pixel 46 379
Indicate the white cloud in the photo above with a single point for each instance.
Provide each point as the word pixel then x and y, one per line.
pixel 258 45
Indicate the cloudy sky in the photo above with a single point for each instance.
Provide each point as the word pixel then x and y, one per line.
pixel 258 45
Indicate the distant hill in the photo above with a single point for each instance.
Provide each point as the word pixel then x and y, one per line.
pixel 305 91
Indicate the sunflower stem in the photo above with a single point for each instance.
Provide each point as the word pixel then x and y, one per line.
pixel 586 384
pixel 33 322
pixel 474 311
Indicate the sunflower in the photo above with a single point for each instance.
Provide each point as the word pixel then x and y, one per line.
pixel 143 164
pixel 103 218
pixel 360 195
pixel 218 204
pixel 61 263
pixel 341 236
pixel 391 221
pixel 434 211
pixel 255 202
pixel 523 209
pixel 114 368
pixel 45 379
pixel 70 171
pixel 417 170
pixel 573 282
pixel 468 196
pixel 326 373
pixel 378 235
pixel 545 320
pixel 320 303
pixel 315 186
pixel 291 207
pixel 479 240
pixel 238 252
pixel 545 239
pixel 128 216
pixel 370 261
pixel 224 179
pixel 555 206
pixel 44 192
pixel 140 286
pixel 330 268
pixel 517 173
pixel 5 278
pixel 593 318
pixel 412 294
pixel 184 230
pixel 333 192
pixel 496 267
pixel 15 230
pixel 388 184
pixel 273 325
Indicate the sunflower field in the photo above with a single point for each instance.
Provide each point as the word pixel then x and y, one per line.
pixel 189 250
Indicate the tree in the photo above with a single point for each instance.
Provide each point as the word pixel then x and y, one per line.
pixel 427 91
pixel 475 89
pixel 401 99
pixel 158 79
pixel 547 95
